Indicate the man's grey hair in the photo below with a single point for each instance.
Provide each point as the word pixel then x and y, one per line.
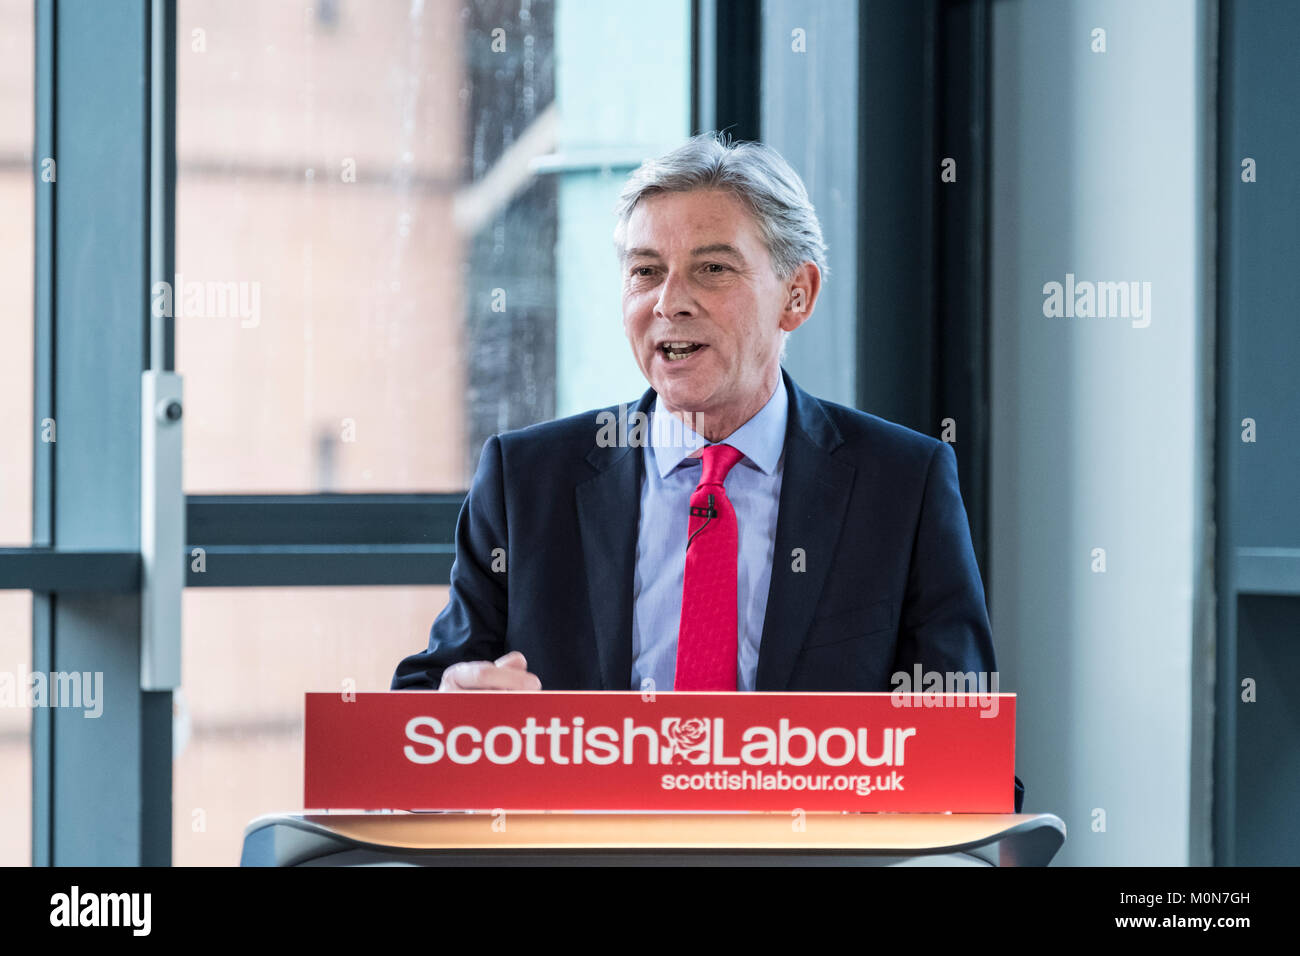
pixel 756 174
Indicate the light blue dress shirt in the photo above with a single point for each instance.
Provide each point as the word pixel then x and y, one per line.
pixel 670 476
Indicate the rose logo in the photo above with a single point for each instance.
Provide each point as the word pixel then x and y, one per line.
pixel 687 739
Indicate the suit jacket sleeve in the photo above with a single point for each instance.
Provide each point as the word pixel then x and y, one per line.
pixel 472 627
pixel 944 625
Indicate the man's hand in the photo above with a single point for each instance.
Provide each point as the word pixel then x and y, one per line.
pixel 505 673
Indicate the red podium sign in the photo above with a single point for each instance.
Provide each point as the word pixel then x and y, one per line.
pixel 613 750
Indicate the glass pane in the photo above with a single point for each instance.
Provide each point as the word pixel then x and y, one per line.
pixel 249 656
pixel 824 154
pixel 365 260
pixel 17 187
pixel 15 728
pixel 380 206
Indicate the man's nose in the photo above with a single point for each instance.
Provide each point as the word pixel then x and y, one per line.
pixel 674 297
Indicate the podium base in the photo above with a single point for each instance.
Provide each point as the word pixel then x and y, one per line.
pixel 462 838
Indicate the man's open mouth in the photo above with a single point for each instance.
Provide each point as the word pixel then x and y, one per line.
pixel 675 351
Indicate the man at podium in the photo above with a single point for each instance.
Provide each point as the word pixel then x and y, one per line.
pixel 727 531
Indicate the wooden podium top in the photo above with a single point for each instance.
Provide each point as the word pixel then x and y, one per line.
pixel 1018 838
pixel 766 831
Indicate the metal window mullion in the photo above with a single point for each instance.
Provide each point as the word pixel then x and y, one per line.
pixel 162 174
pixel 42 740
pixel 101 787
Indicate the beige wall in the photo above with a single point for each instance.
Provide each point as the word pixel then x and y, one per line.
pixel 17 94
pixel 16 198
pixel 15 731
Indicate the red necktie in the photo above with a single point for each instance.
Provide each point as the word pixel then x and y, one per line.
pixel 706 639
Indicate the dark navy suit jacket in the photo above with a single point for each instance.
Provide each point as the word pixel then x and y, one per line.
pixel 873 570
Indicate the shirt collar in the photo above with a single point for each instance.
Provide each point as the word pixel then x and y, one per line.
pixel 760 440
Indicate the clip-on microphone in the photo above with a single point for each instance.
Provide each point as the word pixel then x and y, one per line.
pixel 708 514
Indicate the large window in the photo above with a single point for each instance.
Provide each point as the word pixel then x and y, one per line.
pixel 17 429
pixel 15 728
pixel 365 262
pixel 17 189
pixel 393 239
pixel 249 655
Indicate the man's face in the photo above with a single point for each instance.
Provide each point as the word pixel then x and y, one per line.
pixel 702 307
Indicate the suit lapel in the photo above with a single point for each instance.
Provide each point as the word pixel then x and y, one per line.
pixel 815 490
pixel 609 508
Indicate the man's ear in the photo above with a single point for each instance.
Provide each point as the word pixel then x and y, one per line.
pixel 801 295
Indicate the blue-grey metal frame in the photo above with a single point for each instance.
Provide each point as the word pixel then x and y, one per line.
pixel 101 787
pixel 725 39
pixel 327 539
pixel 1257 525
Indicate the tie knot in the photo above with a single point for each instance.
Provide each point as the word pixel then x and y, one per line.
pixel 718 461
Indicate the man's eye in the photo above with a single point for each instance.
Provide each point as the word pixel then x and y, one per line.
pixel 715 266
pixel 642 271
